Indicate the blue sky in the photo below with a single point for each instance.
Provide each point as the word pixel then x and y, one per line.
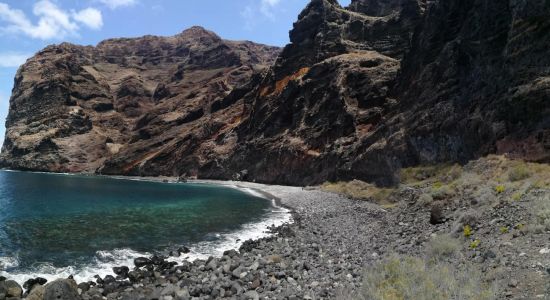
pixel 27 26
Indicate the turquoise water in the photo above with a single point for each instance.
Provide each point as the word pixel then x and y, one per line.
pixel 51 222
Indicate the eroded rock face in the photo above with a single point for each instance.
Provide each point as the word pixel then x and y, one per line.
pixel 477 80
pixel 319 109
pixel 358 93
pixel 117 105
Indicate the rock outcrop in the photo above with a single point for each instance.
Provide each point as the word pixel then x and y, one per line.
pixel 358 93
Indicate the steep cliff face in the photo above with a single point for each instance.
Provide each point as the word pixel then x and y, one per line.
pixel 78 109
pixel 318 113
pixel 477 80
pixel 358 93
pixel 363 91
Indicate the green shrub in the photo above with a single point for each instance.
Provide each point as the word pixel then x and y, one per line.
pixel 500 189
pixel 467 231
pixel 412 278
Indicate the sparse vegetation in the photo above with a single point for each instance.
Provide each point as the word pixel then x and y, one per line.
pixel 413 278
pixel 440 192
pixel 361 190
pixel 443 173
pixel 486 198
pixel 543 212
pixel 467 231
pixel 520 226
pixel 442 247
pixel 500 189
pixel 519 172
pixel 425 199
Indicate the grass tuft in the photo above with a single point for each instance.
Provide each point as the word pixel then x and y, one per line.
pixel 413 278
pixel 519 172
pixel 474 244
pixel 441 247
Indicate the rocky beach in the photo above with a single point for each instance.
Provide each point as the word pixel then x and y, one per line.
pixel 333 242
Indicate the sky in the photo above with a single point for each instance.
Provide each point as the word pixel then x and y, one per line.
pixel 27 26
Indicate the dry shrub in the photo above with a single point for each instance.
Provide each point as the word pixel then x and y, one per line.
pixel 441 247
pixel 361 190
pixel 413 278
pixel 542 205
pixel 441 192
pixel 442 172
pixel 425 200
pixel 519 172
pixel 275 259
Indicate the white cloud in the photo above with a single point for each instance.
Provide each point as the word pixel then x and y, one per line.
pixel 249 17
pixel 114 4
pixel 53 22
pixel 13 59
pixel 267 6
pixel 253 12
pixel 90 17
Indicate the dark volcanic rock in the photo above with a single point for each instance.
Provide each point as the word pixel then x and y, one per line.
pixel 142 261
pixel 29 284
pixel 358 93
pixel 477 80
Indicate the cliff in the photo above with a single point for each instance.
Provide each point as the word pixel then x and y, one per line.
pixel 75 108
pixel 358 93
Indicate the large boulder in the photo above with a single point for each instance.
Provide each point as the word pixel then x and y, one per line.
pixel 37 293
pixel 61 289
pixel 10 288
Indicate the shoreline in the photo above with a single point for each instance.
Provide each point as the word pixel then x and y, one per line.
pixel 262 229
pixel 268 253
pixel 324 252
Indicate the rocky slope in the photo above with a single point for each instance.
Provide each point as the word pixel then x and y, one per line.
pixel 485 243
pixel 358 93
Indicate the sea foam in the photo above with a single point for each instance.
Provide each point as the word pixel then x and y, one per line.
pixel 104 261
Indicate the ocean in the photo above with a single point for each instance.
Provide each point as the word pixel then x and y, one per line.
pixel 56 225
